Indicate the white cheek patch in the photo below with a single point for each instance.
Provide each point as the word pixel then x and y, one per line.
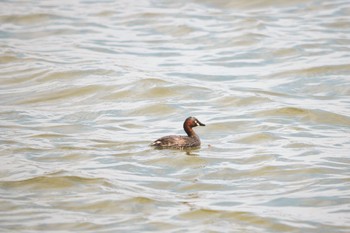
pixel 196 123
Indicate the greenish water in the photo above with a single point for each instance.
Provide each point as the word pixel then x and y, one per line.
pixel 86 86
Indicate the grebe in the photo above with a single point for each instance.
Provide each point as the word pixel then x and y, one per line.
pixel 181 142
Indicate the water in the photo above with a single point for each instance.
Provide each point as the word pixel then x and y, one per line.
pixel 86 86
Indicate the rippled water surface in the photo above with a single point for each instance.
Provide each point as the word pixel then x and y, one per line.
pixel 86 86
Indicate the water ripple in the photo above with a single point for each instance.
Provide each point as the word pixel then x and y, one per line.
pixel 86 86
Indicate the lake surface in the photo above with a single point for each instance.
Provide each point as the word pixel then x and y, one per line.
pixel 86 86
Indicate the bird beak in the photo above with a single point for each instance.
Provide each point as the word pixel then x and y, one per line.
pixel 200 123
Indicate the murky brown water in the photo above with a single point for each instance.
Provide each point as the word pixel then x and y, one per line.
pixel 86 86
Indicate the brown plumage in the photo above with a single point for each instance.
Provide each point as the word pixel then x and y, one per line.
pixel 180 142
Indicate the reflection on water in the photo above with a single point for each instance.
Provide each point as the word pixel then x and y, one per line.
pixel 87 86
